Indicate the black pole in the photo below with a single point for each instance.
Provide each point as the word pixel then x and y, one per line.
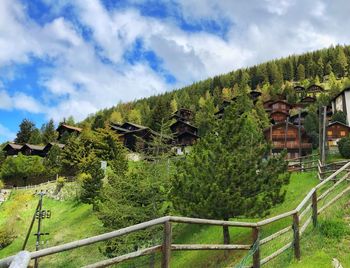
pixel 37 244
pixel 31 226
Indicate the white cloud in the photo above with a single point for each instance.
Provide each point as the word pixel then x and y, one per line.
pixel 6 134
pixel 87 74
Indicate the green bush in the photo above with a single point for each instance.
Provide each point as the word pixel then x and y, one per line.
pixel 344 147
pixel 60 183
pixel 6 237
pixel 334 229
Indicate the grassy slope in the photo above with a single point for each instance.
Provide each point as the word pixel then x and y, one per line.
pixel 71 221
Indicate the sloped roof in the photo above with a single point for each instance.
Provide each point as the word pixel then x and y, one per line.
pixel 33 147
pixel 133 124
pixel 337 123
pixel 13 146
pixel 69 127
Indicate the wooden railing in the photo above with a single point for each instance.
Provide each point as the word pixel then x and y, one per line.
pixel 310 203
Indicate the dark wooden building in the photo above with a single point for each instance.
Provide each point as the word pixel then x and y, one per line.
pixel 336 131
pixel 63 128
pixel 278 116
pixel 286 136
pixel 280 105
pixel 294 119
pixel 30 149
pixel 48 147
pixel 183 114
pixel 184 133
pixel 12 149
pixel 307 100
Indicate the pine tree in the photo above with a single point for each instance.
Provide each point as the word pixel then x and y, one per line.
pixel 301 72
pixel 48 131
pixel 225 175
pixel 173 105
pixel 341 64
pixel 116 117
pixel 26 129
pixel 134 116
pixel 35 137
pixel 205 118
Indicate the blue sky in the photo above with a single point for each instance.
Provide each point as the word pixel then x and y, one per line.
pixel 61 58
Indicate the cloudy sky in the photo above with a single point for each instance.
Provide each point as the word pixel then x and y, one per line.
pixel 60 58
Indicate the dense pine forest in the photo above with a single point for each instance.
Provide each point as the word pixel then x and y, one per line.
pixel 329 67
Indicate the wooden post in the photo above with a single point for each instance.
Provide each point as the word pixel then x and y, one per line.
pixel 166 248
pixel 296 236
pixel 314 208
pixel 256 255
pixel 324 135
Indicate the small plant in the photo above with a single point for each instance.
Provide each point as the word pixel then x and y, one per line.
pixel 6 237
pixel 60 183
pixel 334 229
pixel 344 147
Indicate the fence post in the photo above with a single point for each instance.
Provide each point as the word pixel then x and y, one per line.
pixel 256 241
pixel 314 208
pixel 296 236
pixel 166 248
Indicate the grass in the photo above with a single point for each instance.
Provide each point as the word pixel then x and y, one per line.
pixel 71 221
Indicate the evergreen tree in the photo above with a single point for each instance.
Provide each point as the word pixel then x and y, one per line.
pixel 26 129
pixel 173 105
pixel 99 122
pixel 301 72
pixel 116 117
pixel 205 118
pixel 225 175
pixel 134 116
pixel 341 63
pixel 49 133
pixel 35 137
pixel 339 116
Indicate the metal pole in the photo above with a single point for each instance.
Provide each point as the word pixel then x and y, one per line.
pixel 299 137
pixel 324 135
pixel 320 132
pixel 37 244
pixel 30 227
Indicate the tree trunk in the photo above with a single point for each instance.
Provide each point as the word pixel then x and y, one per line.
pixel 226 233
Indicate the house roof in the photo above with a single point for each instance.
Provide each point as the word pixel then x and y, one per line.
pixel 118 128
pixel 338 123
pixel 69 127
pixel 279 112
pixel 314 88
pixel 281 101
pixel 33 147
pixel 13 146
pixel 340 93
pixel 182 122
pixel 308 97
pixel 50 144
pixel 299 88
pixel 133 124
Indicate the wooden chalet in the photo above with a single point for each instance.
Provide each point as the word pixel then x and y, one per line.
pixel 341 102
pixel 307 100
pixel 280 105
pixel 286 136
pixel 336 131
pixel 299 89
pixel 48 147
pixel 183 114
pixel 278 116
pixel 314 90
pixel 63 128
pixel 30 149
pixel 12 149
pixel 185 134
pixel 139 139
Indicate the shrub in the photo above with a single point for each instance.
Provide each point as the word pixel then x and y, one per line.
pixel 6 237
pixel 60 183
pixel 335 229
pixel 344 147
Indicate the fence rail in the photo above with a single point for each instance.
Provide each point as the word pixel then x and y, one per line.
pixel 297 215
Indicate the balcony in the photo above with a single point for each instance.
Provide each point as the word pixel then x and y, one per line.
pixel 291 145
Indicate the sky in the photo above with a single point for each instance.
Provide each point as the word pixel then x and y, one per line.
pixel 61 58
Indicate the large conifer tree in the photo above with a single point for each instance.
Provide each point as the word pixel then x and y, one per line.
pixel 226 174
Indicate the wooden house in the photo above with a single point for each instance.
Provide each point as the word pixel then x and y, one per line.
pixel 286 136
pixel 30 149
pixel 63 128
pixel 183 114
pixel 12 149
pixel 314 90
pixel 336 131
pixel 185 134
pixel 341 102
pixel 278 116
pixel 280 105
pixel 48 147
pixel 139 139
pixel 307 100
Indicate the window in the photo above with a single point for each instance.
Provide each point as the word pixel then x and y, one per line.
pixel 329 132
pixel 342 133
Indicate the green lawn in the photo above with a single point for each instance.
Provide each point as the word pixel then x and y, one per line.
pixel 71 221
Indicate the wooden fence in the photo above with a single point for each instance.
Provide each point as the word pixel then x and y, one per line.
pixel 303 163
pixel 314 203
